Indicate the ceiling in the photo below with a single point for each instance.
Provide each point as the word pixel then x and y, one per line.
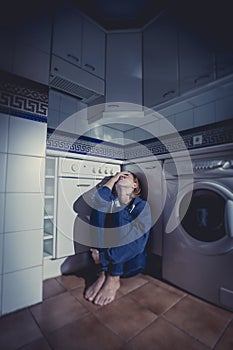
pixel 122 14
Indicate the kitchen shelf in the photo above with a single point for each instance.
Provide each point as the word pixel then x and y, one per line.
pixel 50 207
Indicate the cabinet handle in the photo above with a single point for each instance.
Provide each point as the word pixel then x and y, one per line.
pixel 89 66
pixel 114 106
pixel 170 92
pixel 56 69
pixel 73 57
pixel 83 185
pixel 201 77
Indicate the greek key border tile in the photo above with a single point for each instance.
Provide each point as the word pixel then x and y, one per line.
pixel 23 98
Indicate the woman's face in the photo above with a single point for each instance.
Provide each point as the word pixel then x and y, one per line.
pixel 126 180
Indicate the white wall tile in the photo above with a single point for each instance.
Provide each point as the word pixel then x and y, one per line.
pixel 25 174
pixel 4 122
pixel 22 250
pixel 184 120
pixel 53 118
pixel 204 114
pixel 54 100
pixel 68 104
pixel 24 212
pixel 2 211
pixel 22 288
pixel 3 162
pixel 67 122
pixel 167 125
pixel 224 108
pixel 27 137
pixel 112 135
pixel 1 253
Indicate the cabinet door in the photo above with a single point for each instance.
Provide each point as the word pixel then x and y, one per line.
pixel 31 63
pixel 123 68
pixel 224 63
pixel 93 45
pixel 160 61
pixel 196 60
pixel 67 35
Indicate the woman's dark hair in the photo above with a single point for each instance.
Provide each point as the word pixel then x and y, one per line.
pixel 137 190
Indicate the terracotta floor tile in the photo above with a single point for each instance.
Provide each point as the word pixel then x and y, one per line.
pixel 85 334
pixel 57 311
pixel 197 319
pixel 52 287
pixel 131 283
pixel 228 315
pixel 78 293
pixel 165 285
pixel 161 335
pixel 155 298
pixel 71 281
pixel 40 344
pixel 226 341
pixel 125 317
pixel 18 329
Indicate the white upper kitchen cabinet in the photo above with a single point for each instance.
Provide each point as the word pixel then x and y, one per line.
pixel 67 34
pixel 93 45
pixel 160 61
pixel 196 59
pixel 79 41
pixel 123 69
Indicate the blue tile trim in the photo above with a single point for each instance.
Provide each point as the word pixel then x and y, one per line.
pixel 214 134
pixel 23 98
pixel 71 143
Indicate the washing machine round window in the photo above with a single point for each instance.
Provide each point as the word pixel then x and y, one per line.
pixel 204 218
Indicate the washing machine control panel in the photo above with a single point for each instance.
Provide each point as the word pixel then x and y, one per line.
pixel 212 165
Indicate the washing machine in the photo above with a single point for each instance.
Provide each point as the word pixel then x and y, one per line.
pixel 198 226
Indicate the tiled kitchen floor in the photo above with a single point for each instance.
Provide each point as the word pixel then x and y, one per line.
pixel 147 314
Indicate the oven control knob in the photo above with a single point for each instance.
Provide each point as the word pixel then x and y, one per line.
pixel 106 171
pixel 74 167
pixel 94 170
pixel 100 171
pixel 111 171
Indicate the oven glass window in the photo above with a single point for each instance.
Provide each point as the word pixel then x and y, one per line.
pixel 203 218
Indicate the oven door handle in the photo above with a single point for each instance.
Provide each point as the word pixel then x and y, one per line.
pixel 229 217
pixel 83 185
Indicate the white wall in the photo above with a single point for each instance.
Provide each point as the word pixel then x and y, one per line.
pixel 22 156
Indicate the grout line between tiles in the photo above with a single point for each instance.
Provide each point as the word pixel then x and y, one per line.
pixel 222 333
pixel 185 332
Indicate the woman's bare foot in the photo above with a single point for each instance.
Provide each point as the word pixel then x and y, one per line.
pixel 92 291
pixel 108 292
pixel 95 255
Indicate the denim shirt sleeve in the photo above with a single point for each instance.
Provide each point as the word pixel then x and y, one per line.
pixel 102 198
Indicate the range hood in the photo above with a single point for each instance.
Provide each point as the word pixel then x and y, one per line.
pixel 71 79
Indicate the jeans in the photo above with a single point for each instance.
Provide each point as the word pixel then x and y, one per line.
pixel 129 268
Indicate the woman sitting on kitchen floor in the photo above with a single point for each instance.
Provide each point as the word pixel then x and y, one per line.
pixel 123 220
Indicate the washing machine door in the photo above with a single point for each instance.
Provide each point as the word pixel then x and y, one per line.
pixel 206 221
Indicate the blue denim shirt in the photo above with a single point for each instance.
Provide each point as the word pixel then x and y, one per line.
pixel 127 227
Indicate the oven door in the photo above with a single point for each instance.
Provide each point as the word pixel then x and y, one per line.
pixel 206 223
pixel 69 190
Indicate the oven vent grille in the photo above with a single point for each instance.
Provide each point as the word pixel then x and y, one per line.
pixel 74 89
